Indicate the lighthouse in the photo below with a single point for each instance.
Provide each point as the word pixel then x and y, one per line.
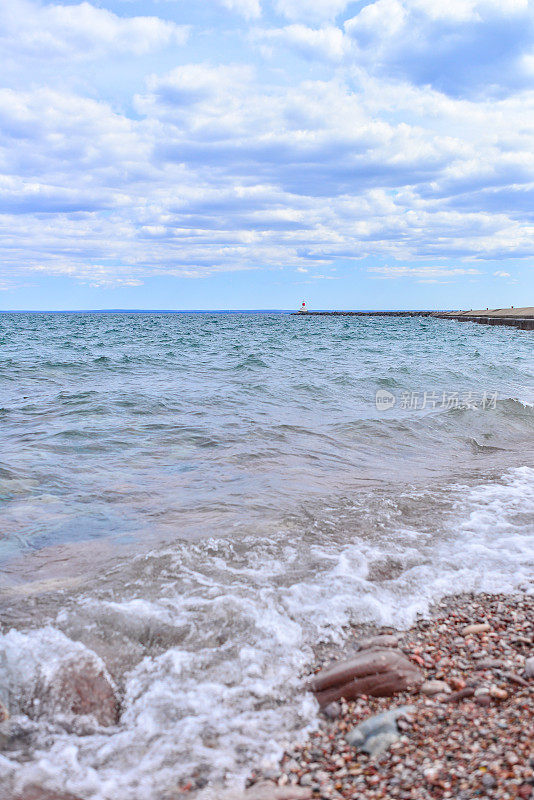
pixel 303 309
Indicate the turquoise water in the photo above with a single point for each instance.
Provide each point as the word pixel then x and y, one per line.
pixel 199 498
pixel 186 425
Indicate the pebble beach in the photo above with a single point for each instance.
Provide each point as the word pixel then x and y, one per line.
pixel 469 734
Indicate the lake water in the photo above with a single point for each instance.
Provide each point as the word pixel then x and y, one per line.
pixel 201 498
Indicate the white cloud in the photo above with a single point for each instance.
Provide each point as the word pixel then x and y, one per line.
pixel 225 166
pixel 467 10
pixel 379 20
pixel 463 47
pixel 310 10
pixel 81 31
pixel 502 274
pixel 422 273
pixel 250 9
pixel 328 42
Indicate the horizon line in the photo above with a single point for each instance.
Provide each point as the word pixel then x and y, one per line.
pixel 192 310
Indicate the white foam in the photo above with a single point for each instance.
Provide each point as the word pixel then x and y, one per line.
pixel 246 614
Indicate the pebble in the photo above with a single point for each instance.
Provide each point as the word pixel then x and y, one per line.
pixel 483 699
pixel 4 713
pixel 529 667
pixel 332 710
pixel 479 627
pixel 455 697
pixel 268 791
pixel 435 687
pixel 377 733
pixel 497 693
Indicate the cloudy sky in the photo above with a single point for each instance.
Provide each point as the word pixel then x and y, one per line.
pixel 255 153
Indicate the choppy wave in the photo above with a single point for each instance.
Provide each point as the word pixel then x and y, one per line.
pixel 201 500
pixel 218 633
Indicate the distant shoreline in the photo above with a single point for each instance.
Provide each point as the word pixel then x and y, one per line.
pixel 212 311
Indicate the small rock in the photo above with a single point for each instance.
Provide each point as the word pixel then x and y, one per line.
pixel 37 793
pixel 4 713
pixel 381 640
pixel 461 695
pixel 513 678
pixel 433 774
pixel 488 781
pixel 431 688
pixel 269 791
pixel 377 733
pixel 483 700
pixel 497 693
pixel 479 627
pixel 332 711
pixel 529 667
pixel 49 674
pixel 375 745
pixel 490 663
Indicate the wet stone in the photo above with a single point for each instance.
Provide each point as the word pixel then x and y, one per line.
pixel 377 733
pixel 332 710
pixel 38 793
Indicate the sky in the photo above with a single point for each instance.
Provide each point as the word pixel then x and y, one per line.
pixel 257 153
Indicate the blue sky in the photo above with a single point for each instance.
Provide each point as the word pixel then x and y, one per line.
pixel 256 153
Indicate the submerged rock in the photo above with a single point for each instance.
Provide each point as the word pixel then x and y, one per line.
pixel 270 791
pixel 377 733
pixel 379 673
pixel 45 674
pixel 378 641
pixel 37 793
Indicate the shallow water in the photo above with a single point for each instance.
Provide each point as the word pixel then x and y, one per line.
pixel 201 498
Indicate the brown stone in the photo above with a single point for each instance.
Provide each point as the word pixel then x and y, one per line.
pixel 36 793
pixel 380 673
pixel 498 694
pixel 461 695
pixel 514 678
pixel 270 791
pixel 483 700
pixel 4 713
pixel 379 641
pixel 82 686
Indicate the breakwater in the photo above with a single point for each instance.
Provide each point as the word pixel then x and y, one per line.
pixel 522 318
